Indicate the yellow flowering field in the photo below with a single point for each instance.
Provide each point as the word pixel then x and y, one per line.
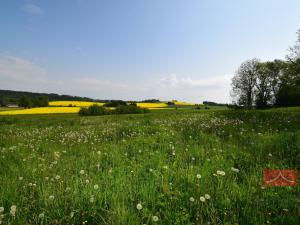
pixel 42 110
pixel 152 105
pixel 183 103
pixel 74 103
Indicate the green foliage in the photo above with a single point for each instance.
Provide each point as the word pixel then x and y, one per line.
pixel 94 110
pixel 115 103
pixel 130 109
pixel 3 101
pixel 25 102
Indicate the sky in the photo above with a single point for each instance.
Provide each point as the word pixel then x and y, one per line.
pixel 186 50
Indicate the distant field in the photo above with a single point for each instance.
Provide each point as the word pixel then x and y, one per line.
pixel 165 167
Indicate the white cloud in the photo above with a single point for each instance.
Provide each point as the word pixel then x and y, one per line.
pixel 32 9
pixel 20 74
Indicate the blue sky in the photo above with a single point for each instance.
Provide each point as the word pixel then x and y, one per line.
pixel 138 49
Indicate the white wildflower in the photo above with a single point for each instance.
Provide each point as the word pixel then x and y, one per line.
pixel 139 206
pixel 51 197
pixel 235 170
pixel 154 218
pixel 81 172
pixel 198 176
pixel 41 215
pixel 96 186
pixel 192 199
pixel 207 196
pixel 220 172
pixel 202 199
pixel 13 210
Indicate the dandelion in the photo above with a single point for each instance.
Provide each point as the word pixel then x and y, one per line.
pixel 235 170
pixel 192 199
pixel 96 186
pixel 220 172
pixel 87 181
pixel 92 199
pixel 51 197
pixel 139 206
pixel 20 178
pixel 41 215
pixel 81 172
pixel 165 167
pixel 198 176
pixel 13 210
pixel 207 196
pixel 57 177
pixel 150 170
pixel 154 218
pixel 1 210
pixel 202 199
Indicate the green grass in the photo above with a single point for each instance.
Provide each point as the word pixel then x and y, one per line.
pixel 151 159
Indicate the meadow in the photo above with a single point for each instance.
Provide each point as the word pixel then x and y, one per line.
pixel 165 167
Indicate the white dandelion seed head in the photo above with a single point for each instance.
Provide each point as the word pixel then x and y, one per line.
pixel 235 170
pixel 220 172
pixel 41 215
pixel 81 172
pixel 202 199
pixel 57 177
pixel 20 178
pixel 1 210
pixel 51 197
pixel 139 206
pixel 192 199
pixel 96 186
pixel 13 210
pixel 92 199
pixel 154 218
pixel 198 176
pixel 207 196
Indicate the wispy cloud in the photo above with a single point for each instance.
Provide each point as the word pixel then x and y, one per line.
pixel 33 9
pixel 20 74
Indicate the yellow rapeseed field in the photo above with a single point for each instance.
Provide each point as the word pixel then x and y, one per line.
pixel 152 105
pixel 183 103
pixel 74 103
pixel 42 110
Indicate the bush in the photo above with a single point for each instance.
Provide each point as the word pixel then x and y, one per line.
pixel 115 103
pixel 94 110
pixel 130 109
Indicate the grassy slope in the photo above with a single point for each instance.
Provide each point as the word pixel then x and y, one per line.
pixel 150 159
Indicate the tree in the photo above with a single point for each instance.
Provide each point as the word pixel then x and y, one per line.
pixel 243 83
pixel 25 102
pixel 267 82
pixel 289 89
pixel 3 101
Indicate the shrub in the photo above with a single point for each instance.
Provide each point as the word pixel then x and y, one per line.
pixel 130 109
pixel 115 103
pixel 94 110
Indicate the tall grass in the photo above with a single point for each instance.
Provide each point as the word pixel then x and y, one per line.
pixel 181 167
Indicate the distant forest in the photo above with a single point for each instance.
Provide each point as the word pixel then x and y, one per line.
pixel 8 97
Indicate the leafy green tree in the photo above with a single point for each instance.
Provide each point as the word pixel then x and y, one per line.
pixel 3 101
pixel 243 83
pixel 25 102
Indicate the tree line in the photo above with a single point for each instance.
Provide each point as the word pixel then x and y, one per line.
pixel 266 84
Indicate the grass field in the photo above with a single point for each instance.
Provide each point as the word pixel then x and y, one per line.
pixel 165 167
